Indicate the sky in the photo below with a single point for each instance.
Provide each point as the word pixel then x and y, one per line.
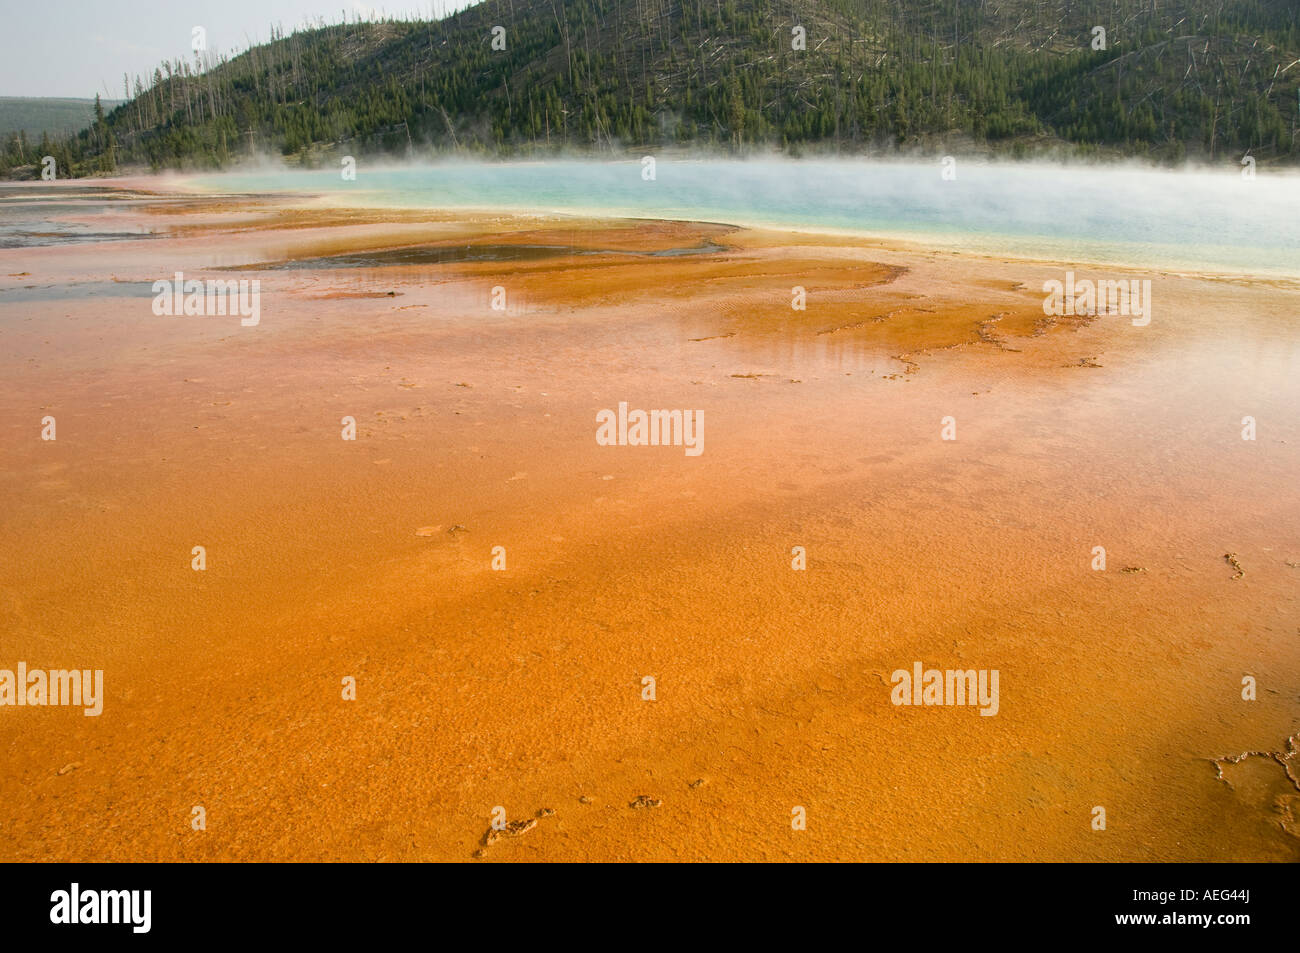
pixel 78 48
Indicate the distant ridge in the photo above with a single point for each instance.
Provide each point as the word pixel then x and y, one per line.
pixel 57 116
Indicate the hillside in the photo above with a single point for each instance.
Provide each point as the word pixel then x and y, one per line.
pixel 33 115
pixel 1210 79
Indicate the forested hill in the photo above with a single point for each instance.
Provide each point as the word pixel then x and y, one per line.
pixel 1211 79
pixel 33 115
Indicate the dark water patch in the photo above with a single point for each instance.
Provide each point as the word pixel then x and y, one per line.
pixel 35 225
pixel 58 193
pixel 458 254
pixel 18 238
pixel 76 291
pixel 38 217
pixel 704 248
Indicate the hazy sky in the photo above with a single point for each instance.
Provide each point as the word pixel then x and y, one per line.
pixel 82 47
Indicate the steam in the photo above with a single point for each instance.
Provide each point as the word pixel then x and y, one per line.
pixel 1197 218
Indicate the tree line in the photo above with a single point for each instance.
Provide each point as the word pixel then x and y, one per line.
pixel 1204 78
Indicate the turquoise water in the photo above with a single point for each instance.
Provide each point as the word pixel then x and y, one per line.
pixel 1199 220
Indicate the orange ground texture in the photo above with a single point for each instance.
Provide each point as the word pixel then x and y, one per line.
pixel 522 689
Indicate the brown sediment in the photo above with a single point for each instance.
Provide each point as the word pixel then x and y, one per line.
pixel 1283 756
pixel 1265 790
pixel 510 829
pixel 373 558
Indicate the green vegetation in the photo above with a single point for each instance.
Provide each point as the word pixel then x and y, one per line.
pixel 1212 79
pixel 35 115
